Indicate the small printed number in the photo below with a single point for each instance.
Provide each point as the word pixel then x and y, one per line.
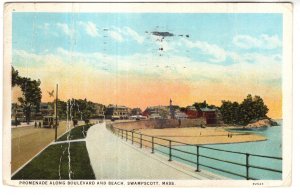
pixel 258 184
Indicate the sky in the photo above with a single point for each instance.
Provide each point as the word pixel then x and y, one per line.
pixel 117 58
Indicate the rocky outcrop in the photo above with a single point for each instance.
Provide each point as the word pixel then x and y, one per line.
pixel 262 123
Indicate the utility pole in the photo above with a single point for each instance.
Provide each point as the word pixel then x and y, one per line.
pixel 56 112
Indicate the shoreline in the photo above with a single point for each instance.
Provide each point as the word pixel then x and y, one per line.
pixel 200 136
pixel 237 142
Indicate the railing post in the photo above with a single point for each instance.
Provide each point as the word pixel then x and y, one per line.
pixel 197 170
pixel 126 135
pixel 141 144
pixel 152 144
pixel 247 166
pixel 170 150
pixel 132 137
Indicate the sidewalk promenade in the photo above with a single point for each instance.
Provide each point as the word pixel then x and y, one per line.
pixel 113 158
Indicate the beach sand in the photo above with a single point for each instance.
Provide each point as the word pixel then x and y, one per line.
pixel 195 135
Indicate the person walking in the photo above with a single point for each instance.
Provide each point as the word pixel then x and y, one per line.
pixel 179 123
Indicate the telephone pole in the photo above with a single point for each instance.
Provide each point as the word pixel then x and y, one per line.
pixel 56 112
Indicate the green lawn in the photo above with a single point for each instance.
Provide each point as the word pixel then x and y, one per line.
pixel 54 158
pixel 76 133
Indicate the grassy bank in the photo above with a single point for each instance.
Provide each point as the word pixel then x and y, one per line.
pixel 79 132
pixel 53 163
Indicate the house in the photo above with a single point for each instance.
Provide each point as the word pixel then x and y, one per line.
pixel 192 112
pixel 180 115
pixel 45 109
pixel 155 116
pixel 17 113
pixel 136 111
pixel 209 114
pixel 99 111
pixel 117 112
pixel 156 112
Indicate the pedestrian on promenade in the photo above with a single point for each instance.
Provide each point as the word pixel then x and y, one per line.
pixel 35 124
pixel 40 125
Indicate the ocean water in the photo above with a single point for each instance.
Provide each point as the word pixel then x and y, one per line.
pixel 271 147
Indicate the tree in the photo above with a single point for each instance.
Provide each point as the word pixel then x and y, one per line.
pixel 31 95
pixel 82 109
pixel 250 109
pixel 230 112
pixel 87 109
pixel 260 108
pixel 15 78
pixel 183 109
pixel 61 108
pixel 204 104
pixel 199 105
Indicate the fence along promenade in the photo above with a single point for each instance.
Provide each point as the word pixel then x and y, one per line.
pixel 139 138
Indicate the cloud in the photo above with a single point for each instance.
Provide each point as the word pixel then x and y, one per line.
pixel 120 34
pixel 134 35
pixel 90 28
pixel 116 36
pixel 66 29
pixel 44 26
pixel 47 29
pixel 250 67
pixel 264 41
pixel 218 53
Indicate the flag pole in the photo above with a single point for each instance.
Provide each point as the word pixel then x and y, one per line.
pixel 56 112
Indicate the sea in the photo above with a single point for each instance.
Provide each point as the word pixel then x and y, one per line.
pixel 271 147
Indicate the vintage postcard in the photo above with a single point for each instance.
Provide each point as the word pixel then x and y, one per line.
pixel 147 94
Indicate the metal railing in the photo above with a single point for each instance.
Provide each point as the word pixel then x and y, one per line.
pixel 139 138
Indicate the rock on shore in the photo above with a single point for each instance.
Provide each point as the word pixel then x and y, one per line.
pixel 262 123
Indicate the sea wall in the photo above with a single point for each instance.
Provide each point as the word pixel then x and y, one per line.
pixel 160 124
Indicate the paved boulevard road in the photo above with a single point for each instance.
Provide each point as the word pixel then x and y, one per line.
pixel 28 141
